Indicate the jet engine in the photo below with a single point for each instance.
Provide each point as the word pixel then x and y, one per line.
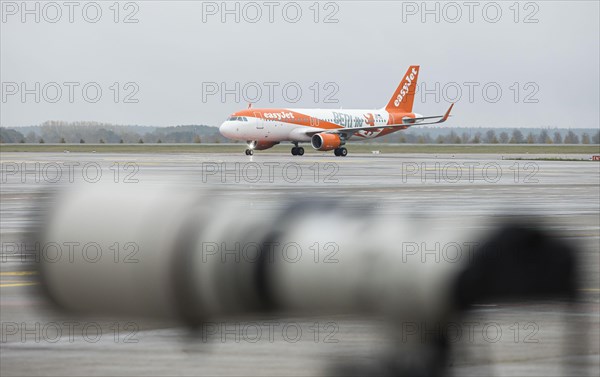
pixel 325 142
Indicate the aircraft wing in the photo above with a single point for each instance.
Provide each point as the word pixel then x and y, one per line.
pixel 351 130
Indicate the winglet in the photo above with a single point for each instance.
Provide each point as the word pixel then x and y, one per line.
pixel 249 105
pixel 447 113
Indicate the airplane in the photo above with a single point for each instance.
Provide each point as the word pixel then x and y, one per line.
pixel 327 129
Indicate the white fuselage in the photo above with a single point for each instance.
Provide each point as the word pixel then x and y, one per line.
pixel 278 125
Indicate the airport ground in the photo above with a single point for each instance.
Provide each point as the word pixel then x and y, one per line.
pixel 527 339
pixel 533 149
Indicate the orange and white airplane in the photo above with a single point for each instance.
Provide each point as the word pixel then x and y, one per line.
pixel 327 129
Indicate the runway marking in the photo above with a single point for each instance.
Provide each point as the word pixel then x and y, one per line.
pixel 23 284
pixel 18 273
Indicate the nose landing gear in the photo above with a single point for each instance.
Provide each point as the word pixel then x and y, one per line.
pixel 249 152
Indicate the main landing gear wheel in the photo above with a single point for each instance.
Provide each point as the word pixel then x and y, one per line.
pixel 341 152
pixel 249 152
pixel 297 151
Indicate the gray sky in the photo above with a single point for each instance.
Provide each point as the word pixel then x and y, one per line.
pixel 543 57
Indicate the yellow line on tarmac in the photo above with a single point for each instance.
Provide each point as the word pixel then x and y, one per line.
pixel 24 284
pixel 18 273
pixel 589 289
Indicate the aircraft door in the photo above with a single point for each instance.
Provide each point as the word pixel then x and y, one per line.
pixel 260 122
pixel 314 122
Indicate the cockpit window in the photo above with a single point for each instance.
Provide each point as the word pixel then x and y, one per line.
pixel 238 119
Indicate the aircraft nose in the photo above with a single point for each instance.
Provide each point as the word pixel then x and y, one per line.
pixel 226 129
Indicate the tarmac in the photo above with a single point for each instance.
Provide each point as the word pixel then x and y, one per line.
pixel 534 339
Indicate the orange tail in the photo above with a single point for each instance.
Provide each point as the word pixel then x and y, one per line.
pixel 404 96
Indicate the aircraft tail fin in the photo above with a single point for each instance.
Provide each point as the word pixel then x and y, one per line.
pixel 404 96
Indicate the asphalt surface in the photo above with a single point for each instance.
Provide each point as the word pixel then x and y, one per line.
pixel 534 339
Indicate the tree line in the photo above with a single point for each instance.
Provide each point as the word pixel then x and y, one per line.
pixel 490 136
pixel 99 133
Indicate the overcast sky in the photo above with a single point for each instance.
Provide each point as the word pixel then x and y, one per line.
pixel 536 64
